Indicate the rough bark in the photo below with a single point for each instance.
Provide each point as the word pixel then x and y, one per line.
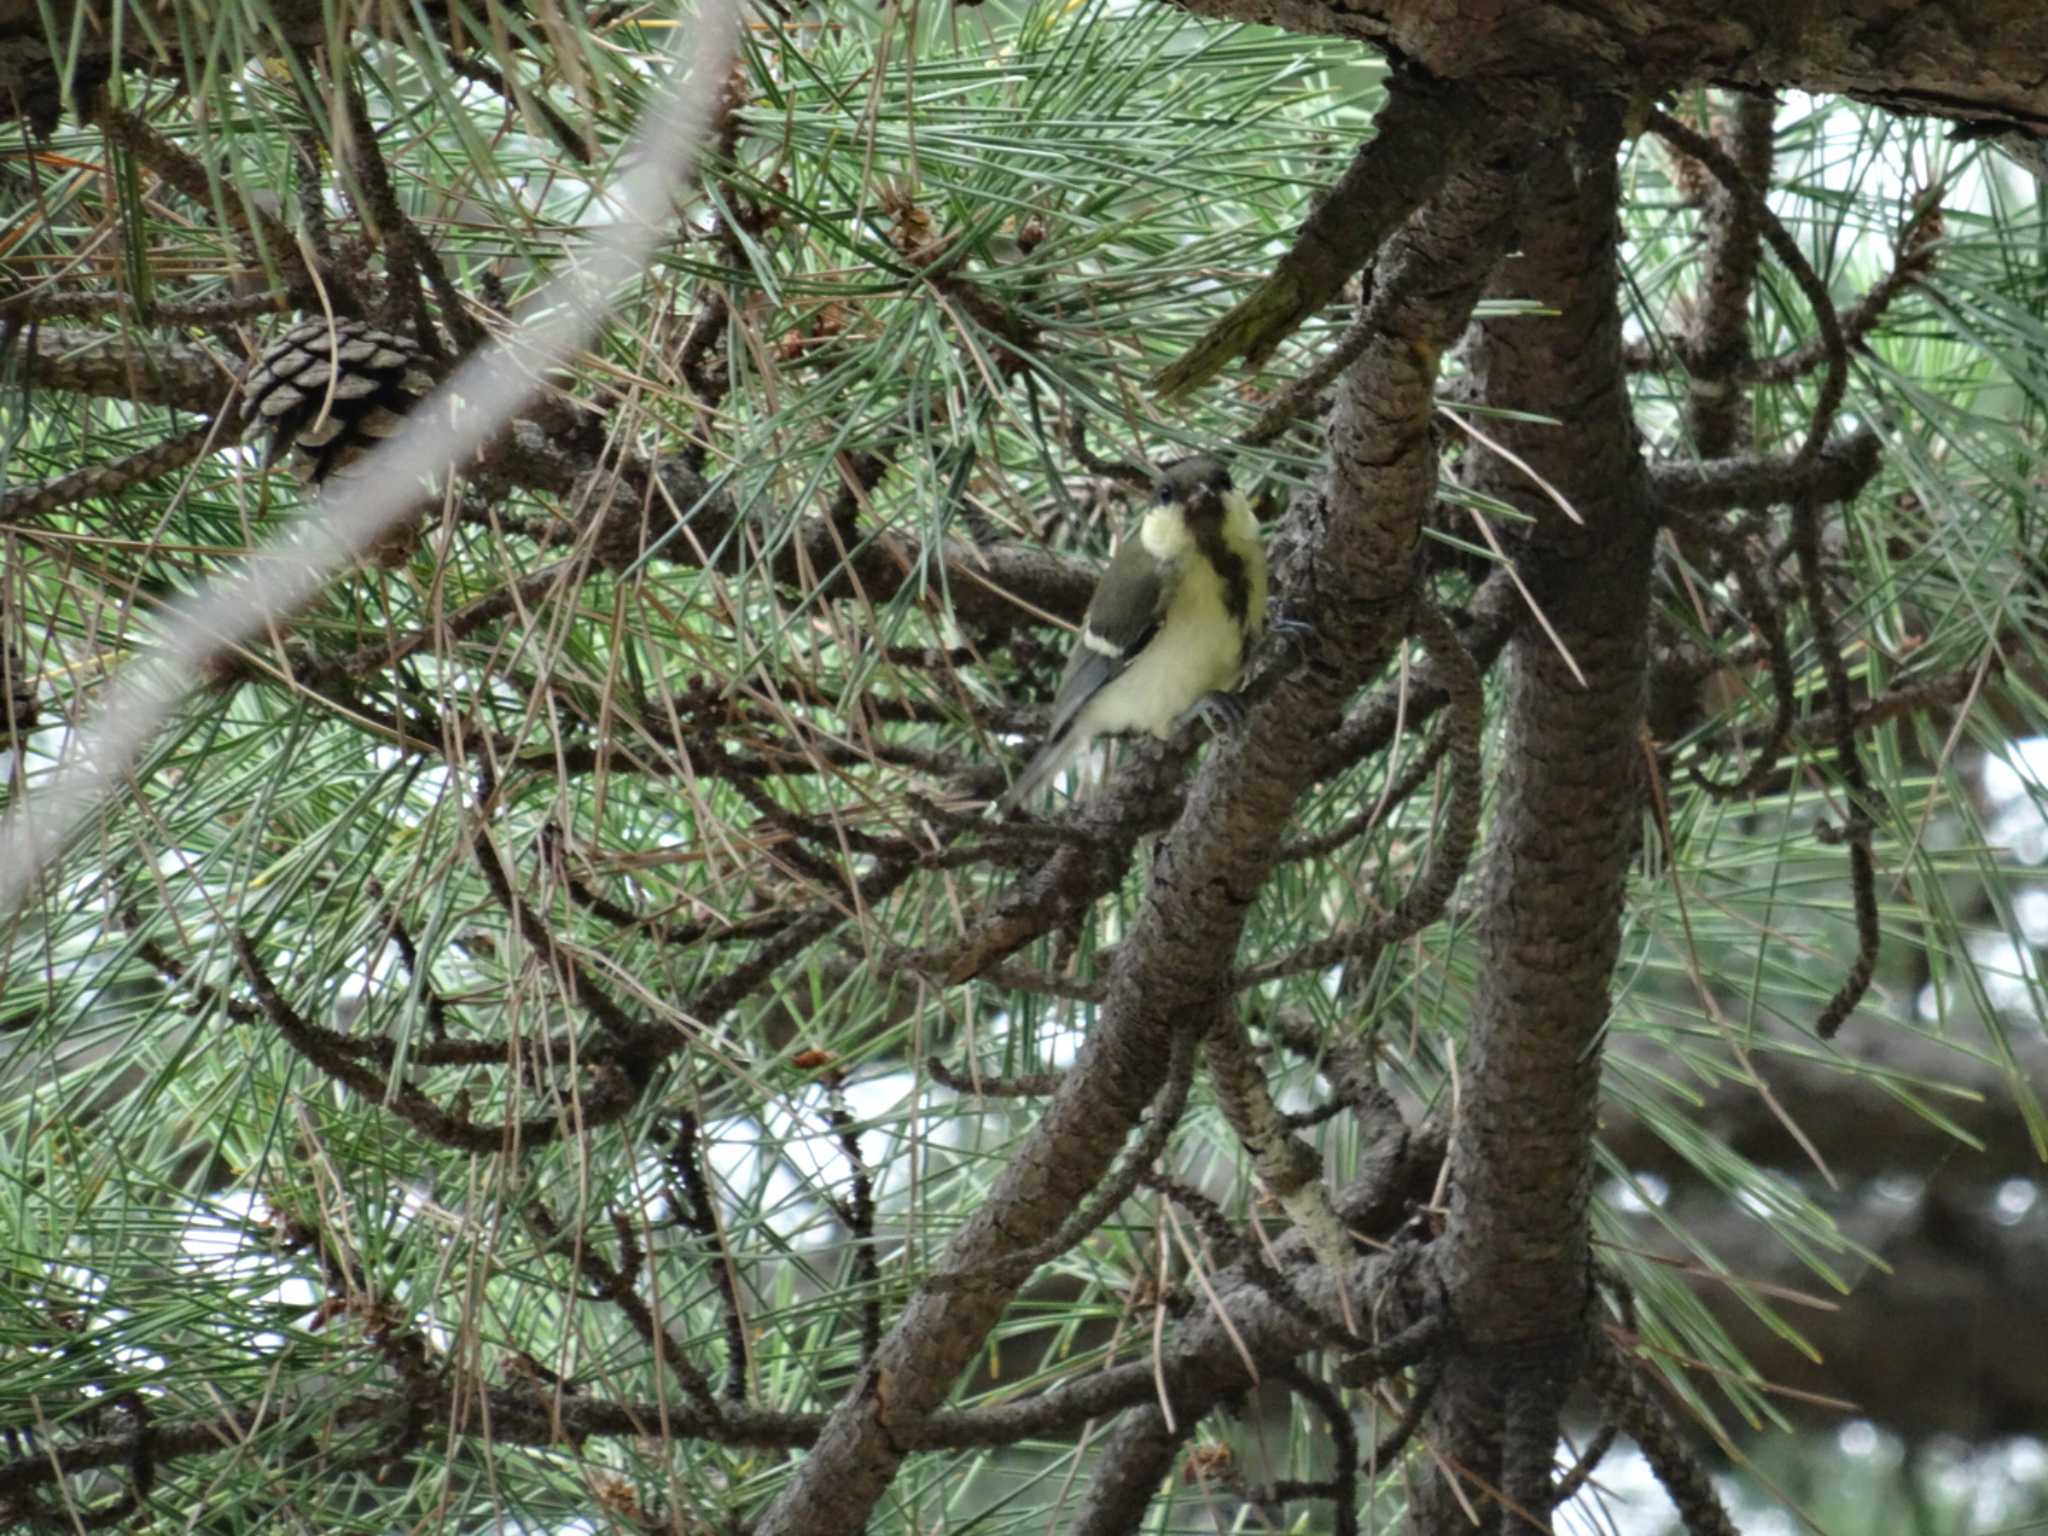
pixel 1514 1255
pixel 109 365
pixel 1977 60
pixel 1138 1453
pixel 1719 341
pixel 1974 60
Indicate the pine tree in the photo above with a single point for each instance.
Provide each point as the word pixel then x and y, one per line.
pixel 545 1035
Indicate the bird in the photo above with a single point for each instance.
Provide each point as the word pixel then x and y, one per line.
pixel 1170 624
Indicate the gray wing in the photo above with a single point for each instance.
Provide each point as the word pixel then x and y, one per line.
pixel 1123 616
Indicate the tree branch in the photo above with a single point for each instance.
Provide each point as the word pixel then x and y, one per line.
pixel 1565 812
pixel 1355 591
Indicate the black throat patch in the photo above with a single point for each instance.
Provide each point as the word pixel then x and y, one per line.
pixel 1199 483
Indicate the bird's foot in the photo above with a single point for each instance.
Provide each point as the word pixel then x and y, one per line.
pixel 1221 712
pixel 1298 635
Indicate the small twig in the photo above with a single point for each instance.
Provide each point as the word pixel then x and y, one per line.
pixel 859 1216
pixel 510 599
pixel 1390 1445
pixel 1849 764
pixel 711 1001
pixel 1309 1119
pixel 1343 1062
pixel 1616 1285
pixel 140 1459
pixel 351 1290
pixel 1411 778
pixel 619 1285
pixel 330 1052
pixel 1299 398
pixel 414 253
pixel 1763 612
pixel 577 986
pixel 1426 898
pixel 1030 1085
pixel 1343 1486
pixel 1588 1463
pixel 178 973
pixel 1662 812
pixel 696 1211
pixel 409 952
pixel 707 328
pixel 376 1048
pixel 188 175
pixel 1916 242
pixel 574 144
pixel 1414 1344
pixel 1233 1246
pixel 106 481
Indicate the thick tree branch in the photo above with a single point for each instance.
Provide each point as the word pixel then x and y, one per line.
pixel 1719 341
pixel 117 366
pixel 1964 59
pixel 1515 1256
pixel 1419 137
pixel 1838 472
pixel 1972 60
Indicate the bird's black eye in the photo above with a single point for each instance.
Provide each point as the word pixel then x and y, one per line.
pixel 1165 493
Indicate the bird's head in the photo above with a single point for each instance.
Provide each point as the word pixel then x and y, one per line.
pixel 1195 488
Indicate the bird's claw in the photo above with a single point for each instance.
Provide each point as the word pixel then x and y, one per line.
pixel 1297 634
pixel 1221 712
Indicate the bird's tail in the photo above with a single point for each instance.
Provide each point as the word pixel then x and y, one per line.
pixel 1048 760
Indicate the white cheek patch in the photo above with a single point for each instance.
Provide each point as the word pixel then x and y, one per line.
pixel 1164 533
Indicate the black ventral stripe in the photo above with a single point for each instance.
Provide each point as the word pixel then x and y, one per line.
pixel 1237 586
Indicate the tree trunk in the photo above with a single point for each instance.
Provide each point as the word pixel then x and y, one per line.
pixel 1514 1257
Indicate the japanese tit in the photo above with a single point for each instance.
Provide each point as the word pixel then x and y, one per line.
pixel 1171 622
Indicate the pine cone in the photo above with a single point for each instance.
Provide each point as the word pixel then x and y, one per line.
pixel 376 375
